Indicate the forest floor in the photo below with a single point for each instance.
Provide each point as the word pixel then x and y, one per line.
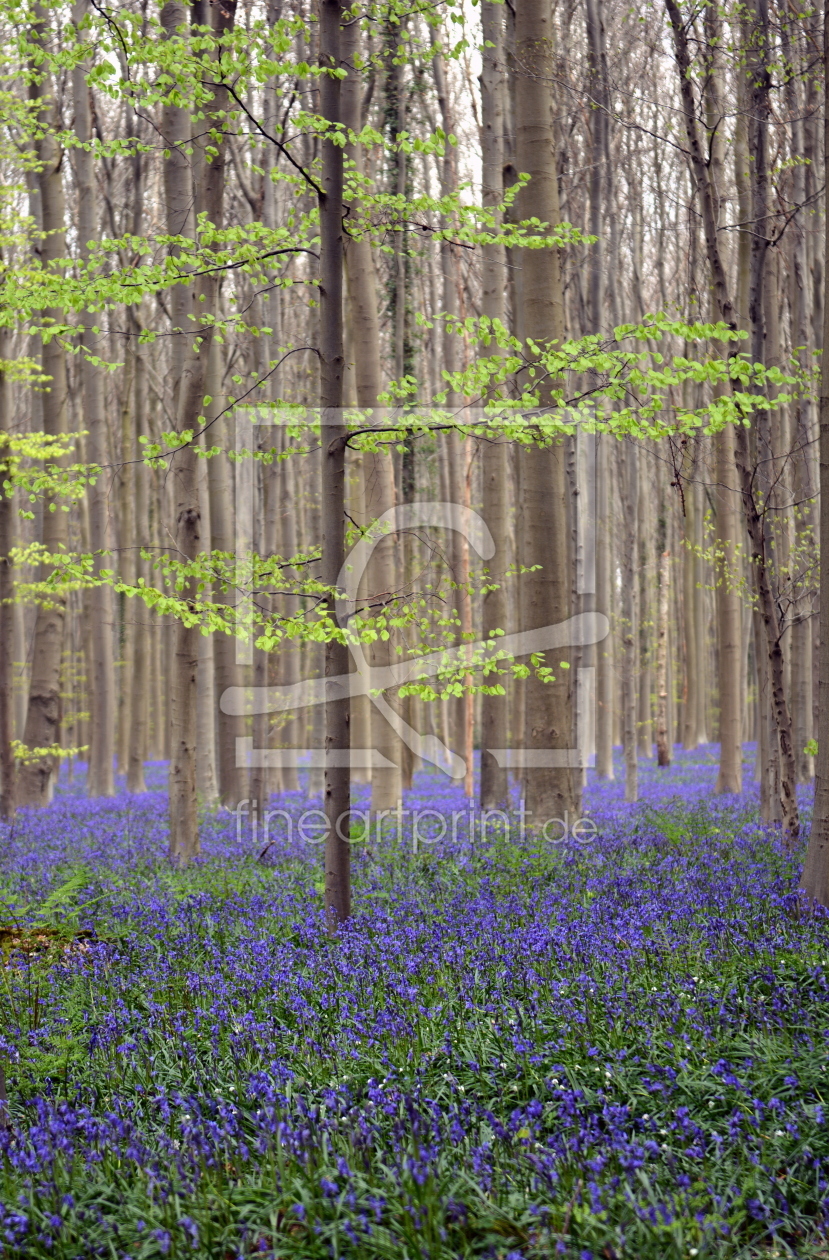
pixel 515 1049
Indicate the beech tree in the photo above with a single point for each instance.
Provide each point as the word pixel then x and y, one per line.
pixel 430 277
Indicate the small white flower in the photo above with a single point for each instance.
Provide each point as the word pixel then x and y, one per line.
pixel 694 1251
pixel 646 1116
pixel 663 1132
pixel 779 1133
pixel 710 1105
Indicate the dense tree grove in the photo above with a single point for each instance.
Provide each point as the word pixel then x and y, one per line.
pixel 274 278
pixel 414 664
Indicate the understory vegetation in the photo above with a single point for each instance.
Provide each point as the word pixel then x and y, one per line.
pixel 513 1048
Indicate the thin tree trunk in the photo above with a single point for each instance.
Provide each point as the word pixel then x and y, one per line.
pixel 494 726
pixel 100 780
pixel 605 669
pixel 35 779
pixel 140 679
pixel 178 190
pixel 456 455
pixel 206 779
pixel 815 878
pixel 289 656
pixel 628 497
pixel 663 743
pixel 227 672
pixel 8 769
pixel 644 731
pixel 128 556
pixel 729 617
pixel 378 471
pixel 333 435
pixel 689 626
pixel 745 464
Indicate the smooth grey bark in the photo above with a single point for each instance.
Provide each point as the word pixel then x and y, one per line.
pixel 598 185
pixel 699 610
pixel 206 777
pixel 207 192
pixel 333 435
pixel 806 524
pixel 605 667
pixel 628 482
pixel 455 446
pixel 289 657
pixel 814 880
pixel 227 672
pixel 545 591
pixel 663 743
pixel 43 716
pixel 729 617
pixel 8 539
pixel 100 778
pixel 494 724
pixel 178 193
pixel 725 496
pixel 644 723
pixel 378 472
pixel 139 682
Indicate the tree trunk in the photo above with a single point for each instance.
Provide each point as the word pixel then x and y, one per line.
pixel 663 743
pixel 644 731
pixel 689 626
pixel 206 780
pixel 729 618
pixel 227 673
pixel 100 780
pixel 178 190
pixel 545 592
pixel 628 496
pixel 456 461
pixel 494 726
pixel 758 125
pixel 35 779
pixel 125 517
pixel 289 656
pixel 333 435
pixel 378 471
pixel 815 878
pixel 605 668
pixel 189 391
pixel 140 680
pixel 8 768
